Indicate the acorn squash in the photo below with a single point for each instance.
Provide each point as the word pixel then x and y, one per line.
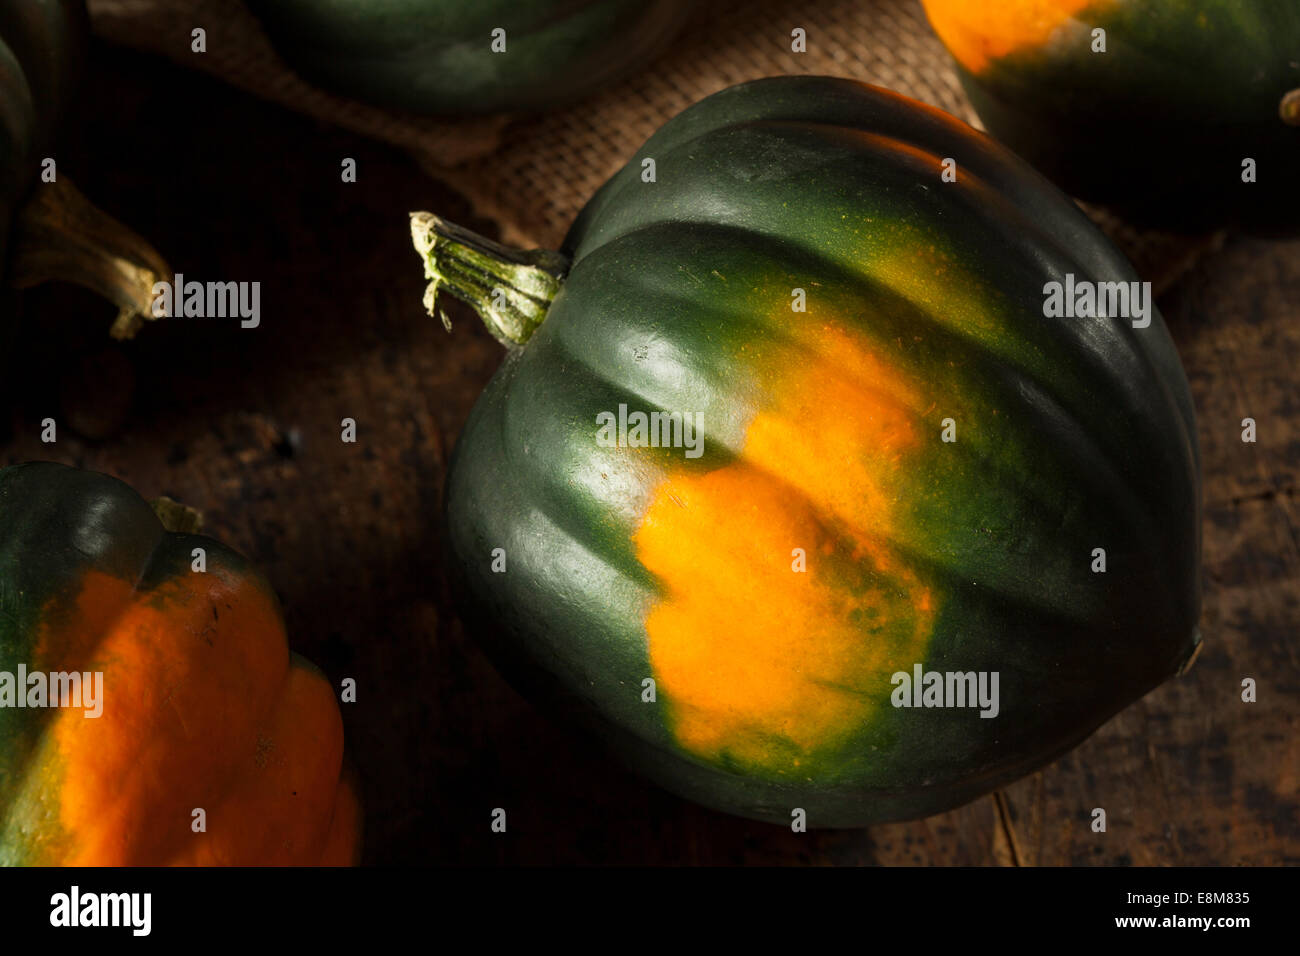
pixel 1179 113
pixel 876 458
pixel 48 230
pixel 447 56
pixel 185 731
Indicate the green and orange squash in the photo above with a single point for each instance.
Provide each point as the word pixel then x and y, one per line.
pixel 657 598
pixel 203 707
pixel 1160 123
pixel 437 56
pixel 48 230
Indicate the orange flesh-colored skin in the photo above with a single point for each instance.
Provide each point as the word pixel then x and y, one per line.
pixel 203 708
pixel 979 31
pixel 763 665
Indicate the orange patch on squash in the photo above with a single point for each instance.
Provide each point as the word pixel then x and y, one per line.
pixel 204 707
pixel 761 665
pixel 979 31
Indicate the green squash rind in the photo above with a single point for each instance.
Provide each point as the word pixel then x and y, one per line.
pixel 1159 124
pixel 753 188
pixel 435 56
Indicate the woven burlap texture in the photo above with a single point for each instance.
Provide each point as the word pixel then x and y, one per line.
pixel 531 175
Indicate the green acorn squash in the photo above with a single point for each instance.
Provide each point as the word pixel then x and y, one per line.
pixel 48 230
pixel 920 472
pixel 436 56
pixel 200 704
pixel 1161 122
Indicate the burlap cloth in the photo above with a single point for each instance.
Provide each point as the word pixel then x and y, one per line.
pixel 531 175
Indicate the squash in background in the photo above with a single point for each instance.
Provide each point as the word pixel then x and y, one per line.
pixel 203 705
pixel 436 56
pixel 596 572
pixel 48 231
pixel 1159 124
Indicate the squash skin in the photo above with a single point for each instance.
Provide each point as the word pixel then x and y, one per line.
pixel 42 45
pixel 1076 434
pixel 55 233
pixel 1157 126
pixel 433 56
pixel 204 705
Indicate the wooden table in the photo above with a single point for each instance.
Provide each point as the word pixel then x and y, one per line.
pixel 244 425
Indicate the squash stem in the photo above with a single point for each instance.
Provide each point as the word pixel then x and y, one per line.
pixel 1289 108
pixel 176 517
pixel 1192 654
pixel 511 289
pixel 60 236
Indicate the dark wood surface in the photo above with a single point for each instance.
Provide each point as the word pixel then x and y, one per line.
pixel 244 425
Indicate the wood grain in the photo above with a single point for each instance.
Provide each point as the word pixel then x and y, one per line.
pixel 244 425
